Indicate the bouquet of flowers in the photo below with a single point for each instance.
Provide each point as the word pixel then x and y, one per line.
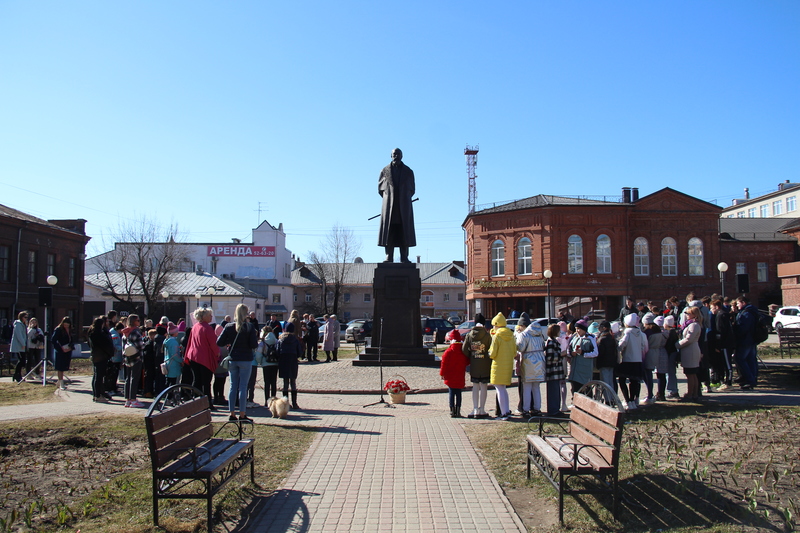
pixel 395 386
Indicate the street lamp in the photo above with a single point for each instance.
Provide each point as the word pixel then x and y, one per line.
pixel 197 296
pixel 165 295
pixel 211 291
pixel 722 267
pixel 51 280
pixel 547 275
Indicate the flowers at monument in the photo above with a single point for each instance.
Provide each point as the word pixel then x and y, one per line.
pixel 396 385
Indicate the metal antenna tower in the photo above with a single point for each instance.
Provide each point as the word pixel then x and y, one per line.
pixel 472 161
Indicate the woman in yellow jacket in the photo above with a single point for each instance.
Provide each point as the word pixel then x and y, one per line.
pixel 502 352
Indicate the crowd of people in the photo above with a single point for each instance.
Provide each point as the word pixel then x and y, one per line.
pixel 712 339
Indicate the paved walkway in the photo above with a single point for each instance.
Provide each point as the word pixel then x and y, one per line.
pixel 407 468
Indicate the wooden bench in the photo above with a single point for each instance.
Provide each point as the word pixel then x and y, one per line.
pixel 189 460
pixel 589 448
pixel 788 339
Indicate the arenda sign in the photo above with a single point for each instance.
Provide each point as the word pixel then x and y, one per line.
pixel 241 251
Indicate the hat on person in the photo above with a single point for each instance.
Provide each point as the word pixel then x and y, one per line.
pixel 453 336
pixel 594 328
pixel 605 324
pixel 499 320
pixel 649 318
pixel 289 328
pixel 669 321
pixel 524 320
pixel 582 324
pixel 631 320
pixel 615 327
pixel 659 321
pixel 173 329
pixel 563 326
pixel 640 304
pixel 479 318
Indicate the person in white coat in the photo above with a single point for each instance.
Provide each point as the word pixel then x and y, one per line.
pixel 530 366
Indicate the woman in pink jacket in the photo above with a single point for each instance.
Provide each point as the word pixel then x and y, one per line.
pixel 202 353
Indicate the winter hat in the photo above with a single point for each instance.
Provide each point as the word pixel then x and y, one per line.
pixel 649 318
pixel 182 325
pixel 524 320
pixel 499 320
pixel 453 336
pixel 582 324
pixel 479 318
pixel 173 330
pixel 659 321
pixel 290 327
pixel 594 328
pixel 615 327
pixel 631 320
pixel 669 321
pixel 605 324
pixel 563 326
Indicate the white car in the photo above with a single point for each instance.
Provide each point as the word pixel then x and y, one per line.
pixel 787 317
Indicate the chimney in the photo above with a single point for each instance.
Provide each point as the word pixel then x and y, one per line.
pixel 626 195
pixel 746 193
pixel 419 257
pixel 635 194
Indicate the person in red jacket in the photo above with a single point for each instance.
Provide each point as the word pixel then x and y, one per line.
pixel 453 369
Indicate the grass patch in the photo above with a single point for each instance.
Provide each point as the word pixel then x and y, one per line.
pixel 683 467
pixel 27 393
pixel 86 472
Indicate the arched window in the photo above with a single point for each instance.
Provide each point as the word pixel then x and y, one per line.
pixel 524 256
pixel 669 257
pixel 426 298
pixel 603 254
pixel 498 258
pixel 695 257
pixel 575 255
pixel 641 257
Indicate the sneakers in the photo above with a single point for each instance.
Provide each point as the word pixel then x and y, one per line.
pixel 504 416
pixel 473 414
pixel 673 396
pixel 100 399
pixel 136 404
pixel 746 386
pixel 723 387
pixel 631 405
pixel 708 390
pixel 252 405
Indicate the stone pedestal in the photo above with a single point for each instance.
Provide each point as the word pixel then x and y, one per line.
pixel 396 288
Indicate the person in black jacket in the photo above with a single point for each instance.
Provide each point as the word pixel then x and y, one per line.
pixel 102 352
pixel 312 338
pixel 289 350
pixel 242 338
pixel 723 345
pixel 608 354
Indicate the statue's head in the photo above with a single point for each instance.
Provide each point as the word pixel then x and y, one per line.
pixel 397 155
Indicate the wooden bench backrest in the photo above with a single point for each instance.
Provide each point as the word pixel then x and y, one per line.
pixel 593 423
pixel 171 433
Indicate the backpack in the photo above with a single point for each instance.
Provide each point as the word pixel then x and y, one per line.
pixel 761 331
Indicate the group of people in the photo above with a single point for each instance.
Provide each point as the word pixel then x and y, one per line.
pixel 27 345
pixel 707 337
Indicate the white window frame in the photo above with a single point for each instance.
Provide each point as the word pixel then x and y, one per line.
pixel 751 212
pixel 603 253
pixel 740 214
pixel 791 204
pixel 498 258
pixel 777 208
pixel 764 210
pixel 696 263
pixel 669 257
pixel 367 297
pixel 524 257
pixel 575 254
pixel 763 272
pixel 641 257
pixel 741 268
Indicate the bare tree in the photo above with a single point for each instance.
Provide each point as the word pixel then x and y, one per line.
pixel 145 253
pixel 332 264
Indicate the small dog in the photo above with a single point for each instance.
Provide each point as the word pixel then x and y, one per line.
pixel 279 407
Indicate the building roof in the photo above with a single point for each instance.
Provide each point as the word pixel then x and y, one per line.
pixel 753 229
pixel 19 215
pixel 363 274
pixel 741 203
pixel 542 200
pixel 178 284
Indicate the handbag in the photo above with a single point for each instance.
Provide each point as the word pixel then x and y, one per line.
pixel 164 368
pixel 226 362
pixel 130 350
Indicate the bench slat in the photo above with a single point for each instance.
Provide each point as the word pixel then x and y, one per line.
pixel 213 455
pixel 605 413
pixel 176 449
pixel 589 460
pixel 169 417
pixel 598 427
pixel 552 457
pixel 184 427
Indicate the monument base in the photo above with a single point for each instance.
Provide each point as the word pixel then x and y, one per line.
pixel 397 357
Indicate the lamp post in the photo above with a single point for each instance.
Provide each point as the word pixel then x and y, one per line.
pixel 197 296
pixel 165 295
pixel 547 275
pixel 722 267
pixel 211 291
pixel 51 280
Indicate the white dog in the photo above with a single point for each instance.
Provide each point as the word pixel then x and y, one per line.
pixel 279 407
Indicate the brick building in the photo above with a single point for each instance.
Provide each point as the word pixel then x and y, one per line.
pixel 599 250
pixel 31 249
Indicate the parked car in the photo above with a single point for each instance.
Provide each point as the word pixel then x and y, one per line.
pixel 342 330
pixel 439 325
pixel 787 317
pixel 351 326
pixel 465 327
pixel 362 330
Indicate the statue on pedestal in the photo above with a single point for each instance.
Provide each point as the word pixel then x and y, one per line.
pixel 396 187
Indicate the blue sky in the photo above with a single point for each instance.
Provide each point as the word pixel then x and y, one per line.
pixel 194 112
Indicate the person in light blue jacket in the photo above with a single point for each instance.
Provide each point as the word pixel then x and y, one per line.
pixel 19 345
pixel 172 356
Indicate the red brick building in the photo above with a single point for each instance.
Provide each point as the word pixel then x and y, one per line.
pixel 599 250
pixel 31 249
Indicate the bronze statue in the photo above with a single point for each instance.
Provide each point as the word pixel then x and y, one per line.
pixel 396 186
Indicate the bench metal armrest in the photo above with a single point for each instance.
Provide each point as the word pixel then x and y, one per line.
pixel 235 429
pixel 577 460
pixel 540 421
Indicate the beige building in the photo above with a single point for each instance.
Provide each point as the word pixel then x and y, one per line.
pixel 443 290
pixel 777 204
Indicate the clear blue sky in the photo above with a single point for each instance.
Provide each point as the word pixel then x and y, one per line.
pixel 195 112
